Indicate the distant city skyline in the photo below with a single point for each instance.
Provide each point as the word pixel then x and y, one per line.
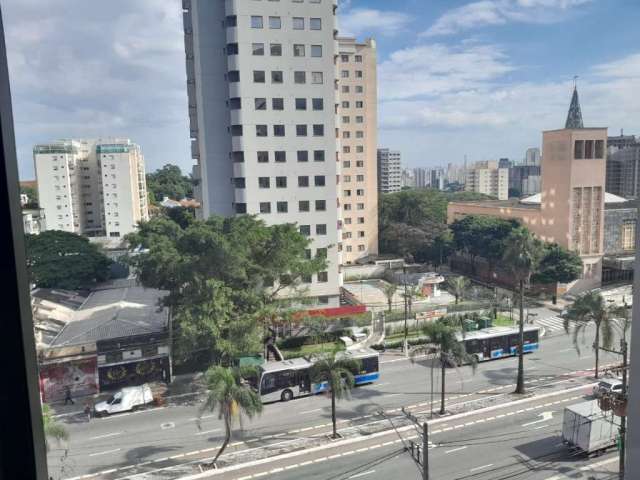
pixel 456 78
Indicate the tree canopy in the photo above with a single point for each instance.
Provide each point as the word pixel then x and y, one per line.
pixel 57 259
pixel 413 223
pixel 558 265
pixel 224 275
pixel 32 195
pixel 169 181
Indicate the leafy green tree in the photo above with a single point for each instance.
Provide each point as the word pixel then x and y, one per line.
pixel 458 286
pixel 221 275
pixel 558 265
pixel 389 291
pixel 442 343
pixel 590 308
pixel 57 259
pixel 181 215
pixel 231 396
pixel 168 181
pixel 522 256
pixel 338 373
pixel 52 429
pixel 32 195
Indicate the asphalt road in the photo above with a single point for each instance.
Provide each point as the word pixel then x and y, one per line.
pixel 156 438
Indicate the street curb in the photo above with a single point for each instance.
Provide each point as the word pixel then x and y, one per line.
pixel 350 441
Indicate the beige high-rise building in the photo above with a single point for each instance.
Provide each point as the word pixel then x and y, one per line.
pixel 486 177
pixel 357 109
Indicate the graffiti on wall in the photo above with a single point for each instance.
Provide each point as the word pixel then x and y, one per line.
pixel 81 376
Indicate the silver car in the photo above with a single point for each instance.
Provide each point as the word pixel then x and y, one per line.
pixel 607 386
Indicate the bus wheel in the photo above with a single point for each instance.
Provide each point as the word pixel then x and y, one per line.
pixel 286 395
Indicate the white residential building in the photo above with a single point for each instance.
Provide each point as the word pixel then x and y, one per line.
pixel 95 188
pixel 485 177
pixel 389 171
pixel 261 81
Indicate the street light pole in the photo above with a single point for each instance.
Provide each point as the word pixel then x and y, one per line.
pixel 623 418
pixel 425 451
pixel 406 330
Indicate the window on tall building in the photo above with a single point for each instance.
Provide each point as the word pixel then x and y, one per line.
pixel 344 73
pixel 360 192
pixel 263 157
pixel 298 23
pixel 239 182
pixel 317 103
pixel 236 130
pixel 359 134
pixel 359 89
pixel 260 103
pixel 232 49
pixel 258 76
pixel 318 130
pixel 301 103
pixel 303 155
pixel 231 21
pixel 276 49
pixel 629 235
pixel 319 180
pixel 344 58
pixel 298 50
pixel 256 21
pixel 305 230
pixel 276 76
pixel 318 155
pixel 588 149
pixel 257 49
pixel 301 130
pixel 321 205
pixel 358 58
pixel 321 229
pixel 281 182
pixel 346 134
pixel 280 156
pixel 300 77
pixel 316 78
pixel 359 104
pixel 303 181
pixel 275 23
pixel 316 51
pixel 315 23
pixel 345 88
pixel 261 130
pixel 282 207
pixel 303 206
pixel 599 149
pixel 358 73
pixel 277 103
pixel 278 130
pixel 264 182
pixel 265 207
pixel 323 277
pixel 241 208
pixel 233 76
pixel 579 149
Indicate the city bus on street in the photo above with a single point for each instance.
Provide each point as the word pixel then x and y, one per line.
pixel 289 379
pixel 499 342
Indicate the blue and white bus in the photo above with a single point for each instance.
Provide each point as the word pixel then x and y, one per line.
pixel 499 342
pixel 289 379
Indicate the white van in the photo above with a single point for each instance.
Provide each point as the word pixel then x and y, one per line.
pixel 124 400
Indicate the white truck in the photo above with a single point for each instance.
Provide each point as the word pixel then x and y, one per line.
pixel 124 400
pixel 588 429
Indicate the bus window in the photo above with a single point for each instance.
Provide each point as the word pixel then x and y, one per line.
pixel 514 340
pixel 473 346
pixel 498 343
pixel 285 379
pixel 530 337
pixel 369 364
pixel 268 383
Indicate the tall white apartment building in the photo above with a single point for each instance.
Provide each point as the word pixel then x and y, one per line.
pixel 486 177
pixel 261 81
pixel 95 188
pixel 389 171
pixel 421 177
pixel 358 111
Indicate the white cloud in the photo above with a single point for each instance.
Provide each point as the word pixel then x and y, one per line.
pixel 499 12
pixel 436 69
pixel 367 21
pixel 83 69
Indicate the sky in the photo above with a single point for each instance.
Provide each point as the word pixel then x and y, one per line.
pixel 456 78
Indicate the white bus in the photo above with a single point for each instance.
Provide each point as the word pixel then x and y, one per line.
pixel 291 378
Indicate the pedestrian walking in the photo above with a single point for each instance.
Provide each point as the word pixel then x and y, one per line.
pixel 88 408
pixel 67 396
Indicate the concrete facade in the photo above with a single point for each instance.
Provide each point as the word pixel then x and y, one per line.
pixel 358 112
pixel 261 84
pixel 95 188
pixel 389 171
pixel 486 177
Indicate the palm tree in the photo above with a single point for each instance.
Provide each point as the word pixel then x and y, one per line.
pixel 228 392
pixel 522 255
pixel 411 293
pixel 591 308
pixel 52 429
pixel 443 343
pixel 389 291
pixel 338 372
pixel 458 285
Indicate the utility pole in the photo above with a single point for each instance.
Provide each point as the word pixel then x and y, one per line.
pixel 623 418
pixel 406 330
pixel 425 451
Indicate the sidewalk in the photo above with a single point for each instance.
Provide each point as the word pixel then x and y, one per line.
pixel 182 386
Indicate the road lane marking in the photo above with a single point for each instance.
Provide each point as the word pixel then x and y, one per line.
pixel 311 411
pixel 106 435
pixel 167 426
pixel 480 468
pixel 455 450
pixel 209 431
pixel 368 472
pixel 104 453
pixel 541 426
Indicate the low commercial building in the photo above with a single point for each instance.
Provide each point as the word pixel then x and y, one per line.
pixel 118 336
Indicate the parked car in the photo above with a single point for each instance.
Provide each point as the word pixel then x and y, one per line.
pixel 609 385
pixel 124 400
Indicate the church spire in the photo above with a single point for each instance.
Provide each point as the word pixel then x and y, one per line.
pixel 574 117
